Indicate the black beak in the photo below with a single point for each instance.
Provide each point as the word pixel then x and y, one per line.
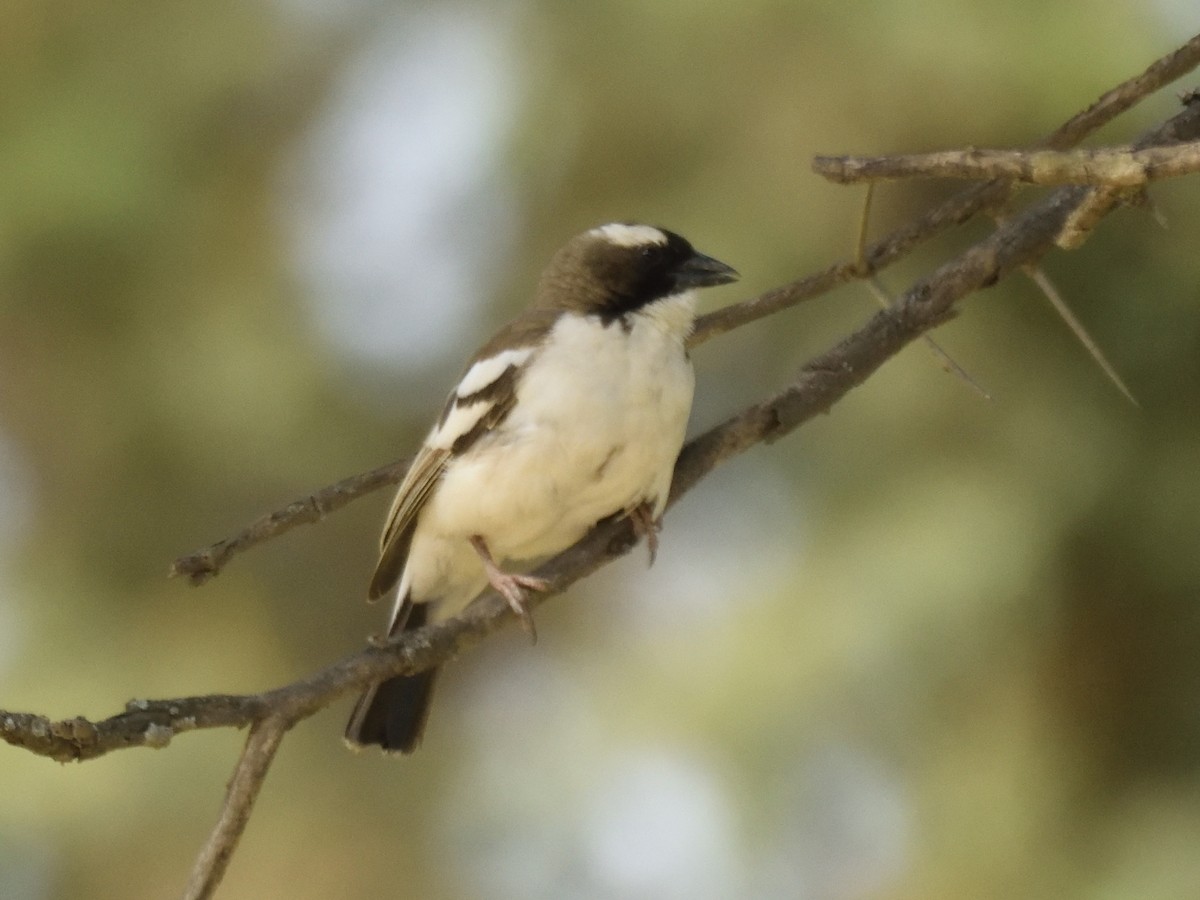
pixel 703 271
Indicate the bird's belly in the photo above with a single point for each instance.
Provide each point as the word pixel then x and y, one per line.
pixel 581 445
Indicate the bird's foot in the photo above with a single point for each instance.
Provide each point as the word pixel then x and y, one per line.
pixel 645 525
pixel 510 587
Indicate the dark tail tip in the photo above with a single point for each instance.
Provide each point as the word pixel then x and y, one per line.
pixel 391 715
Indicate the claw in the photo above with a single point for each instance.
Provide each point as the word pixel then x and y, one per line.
pixel 510 586
pixel 645 525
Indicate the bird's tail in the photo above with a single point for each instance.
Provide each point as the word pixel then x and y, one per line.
pixel 392 714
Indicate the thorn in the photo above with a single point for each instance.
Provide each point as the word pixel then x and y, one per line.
pixel 1042 280
pixel 860 254
pixel 948 364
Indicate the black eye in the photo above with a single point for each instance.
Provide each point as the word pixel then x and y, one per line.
pixel 647 251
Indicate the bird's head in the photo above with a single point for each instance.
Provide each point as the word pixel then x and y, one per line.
pixel 621 268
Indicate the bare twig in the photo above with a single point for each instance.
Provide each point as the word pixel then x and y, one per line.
pixel 202 565
pixel 1102 200
pixel 261 744
pixel 1126 95
pixel 1098 204
pixel 1119 167
pixel 957 209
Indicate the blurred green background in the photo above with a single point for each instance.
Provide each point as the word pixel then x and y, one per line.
pixel 928 647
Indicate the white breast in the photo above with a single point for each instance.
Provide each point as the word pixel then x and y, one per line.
pixel 599 421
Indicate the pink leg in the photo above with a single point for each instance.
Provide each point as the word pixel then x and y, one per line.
pixel 509 586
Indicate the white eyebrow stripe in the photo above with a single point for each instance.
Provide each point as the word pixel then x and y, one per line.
pixel 460 421
pixel 630 235
pixel 485 372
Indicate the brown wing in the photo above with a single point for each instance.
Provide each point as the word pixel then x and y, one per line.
pixel 493 400
pixel 418 483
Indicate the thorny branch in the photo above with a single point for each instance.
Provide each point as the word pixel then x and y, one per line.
pixel 1118 167
pixel 956 210
pixel 205 563
pixel 1017 243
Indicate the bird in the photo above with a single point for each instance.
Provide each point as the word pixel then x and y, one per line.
pixel 571 414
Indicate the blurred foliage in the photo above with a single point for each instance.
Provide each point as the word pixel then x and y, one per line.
pixel 928 647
